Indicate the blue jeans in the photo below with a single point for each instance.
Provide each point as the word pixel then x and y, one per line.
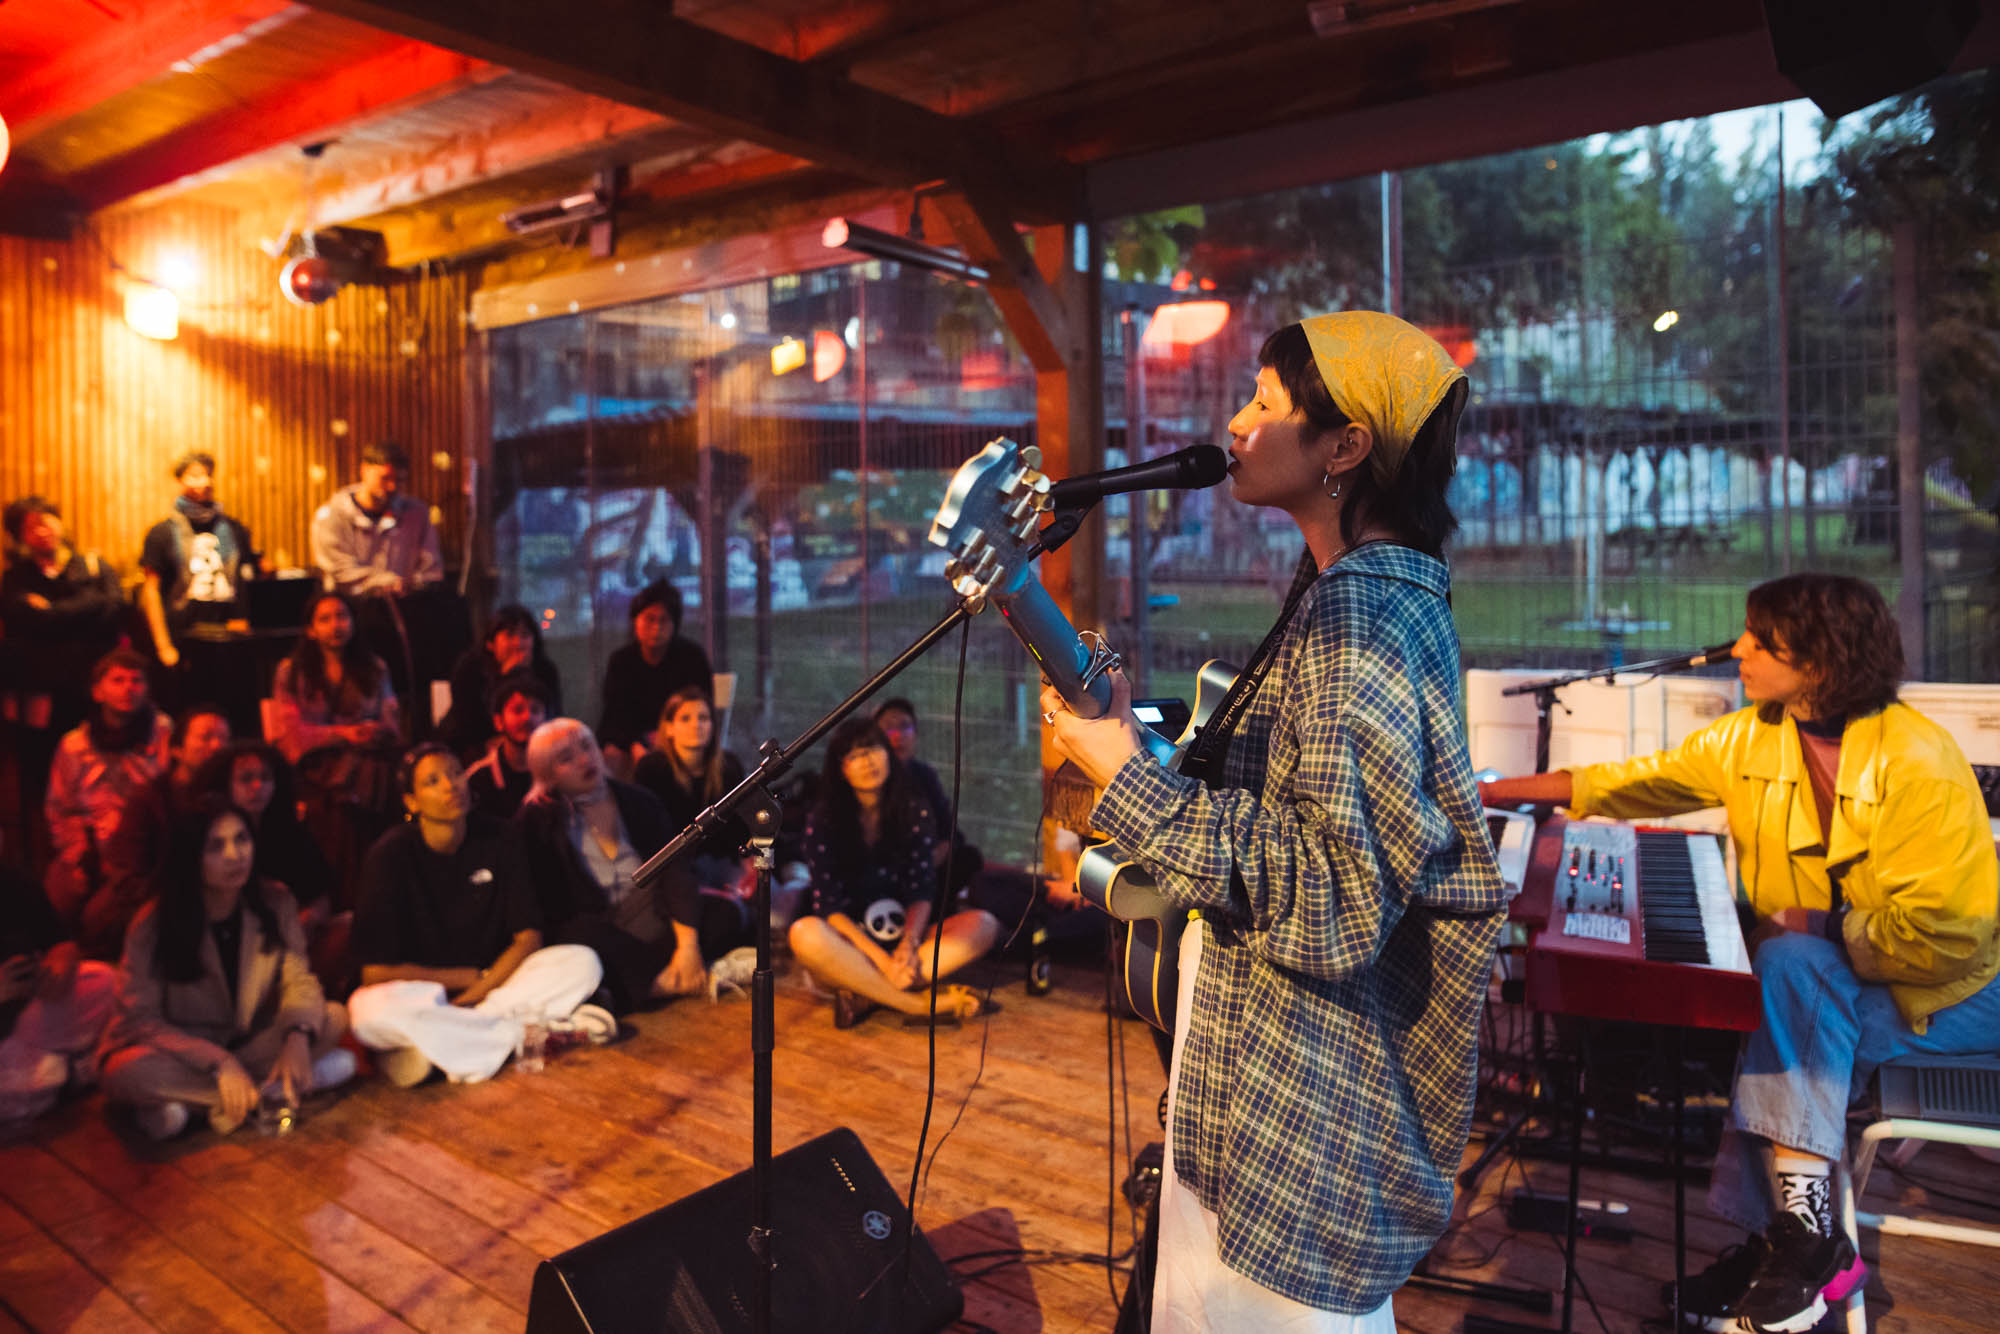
pixel 1824 1032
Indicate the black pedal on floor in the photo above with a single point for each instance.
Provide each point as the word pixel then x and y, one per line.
pixel 1529 1212
pixel 1142 1187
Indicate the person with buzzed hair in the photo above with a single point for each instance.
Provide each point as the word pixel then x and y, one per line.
pixel 194 561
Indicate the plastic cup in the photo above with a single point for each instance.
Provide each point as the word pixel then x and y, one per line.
pixel 534 1047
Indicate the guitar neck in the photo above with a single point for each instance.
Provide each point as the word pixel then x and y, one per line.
pixel 1064 658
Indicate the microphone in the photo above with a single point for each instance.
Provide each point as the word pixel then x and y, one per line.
pixel 1190 469
pixel 1716 653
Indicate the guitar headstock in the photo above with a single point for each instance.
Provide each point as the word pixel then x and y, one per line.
pixel 988 519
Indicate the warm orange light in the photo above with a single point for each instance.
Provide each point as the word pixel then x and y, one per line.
pixel 1181 281
pixel 3 141
pixel 1457 341
pixel 1185 323
pixel 1206 284
pixel 152 312
pixel 787 356
pixel 829 355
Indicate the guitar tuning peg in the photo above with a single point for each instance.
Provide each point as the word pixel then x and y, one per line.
pixel 1031 457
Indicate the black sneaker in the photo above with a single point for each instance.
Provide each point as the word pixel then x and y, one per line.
pixel 1709 1299
pixel 1785 1296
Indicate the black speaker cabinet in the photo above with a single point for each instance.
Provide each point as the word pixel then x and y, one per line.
pixel 1845 54
pixel 839 1233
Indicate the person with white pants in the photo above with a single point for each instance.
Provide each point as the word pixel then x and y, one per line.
pixel 469 1043
pixel 448 935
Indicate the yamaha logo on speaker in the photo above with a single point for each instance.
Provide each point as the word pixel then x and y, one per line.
pixel 876 1224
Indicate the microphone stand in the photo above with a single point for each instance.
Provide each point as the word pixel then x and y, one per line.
pixel 1544 692
pixel 751 800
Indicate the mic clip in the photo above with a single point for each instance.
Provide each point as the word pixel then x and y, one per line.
pixel 1062 525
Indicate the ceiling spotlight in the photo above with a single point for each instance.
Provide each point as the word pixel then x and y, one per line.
pixel 1667 320
pixel 308 280
pixel 846 234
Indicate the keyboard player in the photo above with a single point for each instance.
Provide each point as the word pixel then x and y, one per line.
pixel 1864 850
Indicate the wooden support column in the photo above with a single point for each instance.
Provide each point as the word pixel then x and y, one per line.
pixel 1050 300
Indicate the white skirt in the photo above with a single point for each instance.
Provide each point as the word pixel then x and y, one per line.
pixel 1193 1291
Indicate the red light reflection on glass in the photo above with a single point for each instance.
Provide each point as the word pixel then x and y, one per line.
pixel 1185 323
pixel 829 355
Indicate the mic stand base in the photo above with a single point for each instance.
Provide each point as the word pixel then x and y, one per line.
pixel 760 810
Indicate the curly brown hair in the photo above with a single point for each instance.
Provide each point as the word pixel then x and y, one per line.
pixel 1839 632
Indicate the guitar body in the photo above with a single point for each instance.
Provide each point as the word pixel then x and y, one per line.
pixel 1107 877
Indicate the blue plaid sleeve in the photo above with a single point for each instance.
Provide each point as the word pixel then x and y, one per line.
pixel 1315 864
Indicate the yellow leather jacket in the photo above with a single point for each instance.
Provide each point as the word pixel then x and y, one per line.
pixel 1910 846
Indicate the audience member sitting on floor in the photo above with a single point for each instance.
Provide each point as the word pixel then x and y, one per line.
pixel 54 1004
pixel 218 1007
pixel 338 723
pixel 132 851
pixel 449 939
pixel 640 675
pixel 869 842
pixel 687 769
pixel 518 704
pixel 255 778
pixel 100 767
pixel 586 834
pixel 63 611
pixel 513 644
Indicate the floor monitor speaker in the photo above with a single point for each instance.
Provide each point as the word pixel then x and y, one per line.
pixel 839 1231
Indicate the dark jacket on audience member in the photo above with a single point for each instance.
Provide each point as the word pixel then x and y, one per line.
pixel 635 690
pixel 469 724
pixel 53 648
pixel 564 883
pixel 498 788
pixel 655 773
pixel 580 912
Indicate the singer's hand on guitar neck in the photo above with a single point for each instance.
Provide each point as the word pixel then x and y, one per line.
pixel 1098 746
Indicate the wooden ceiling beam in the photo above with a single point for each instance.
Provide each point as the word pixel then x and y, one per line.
pixel 1027 302
pixel 401 75
pixel 585 131
pixel 638 53
pixel 152 40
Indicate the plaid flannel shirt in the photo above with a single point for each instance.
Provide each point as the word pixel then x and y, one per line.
pixel 1343 873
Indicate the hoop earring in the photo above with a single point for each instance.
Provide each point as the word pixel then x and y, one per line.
pixel 1334 493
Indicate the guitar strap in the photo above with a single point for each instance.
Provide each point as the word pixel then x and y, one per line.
pixel 1205 756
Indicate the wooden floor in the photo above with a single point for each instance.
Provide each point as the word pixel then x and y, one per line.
pixel 429 1209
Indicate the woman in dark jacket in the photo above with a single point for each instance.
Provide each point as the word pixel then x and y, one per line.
pixel 688 769
pixel 586 834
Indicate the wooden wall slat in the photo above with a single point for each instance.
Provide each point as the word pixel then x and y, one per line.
pixel 92 414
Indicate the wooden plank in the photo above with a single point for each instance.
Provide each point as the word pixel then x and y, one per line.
pixel 170 1288
pixel 50 1289
pixel 402 74
pixel 287 1284
pixel 142 42
pixel 637 53
pixel 428 1223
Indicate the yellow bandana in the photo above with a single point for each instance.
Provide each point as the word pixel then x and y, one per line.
pixel 1386 374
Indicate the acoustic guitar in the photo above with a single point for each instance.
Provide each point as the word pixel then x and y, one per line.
pixel 987 524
